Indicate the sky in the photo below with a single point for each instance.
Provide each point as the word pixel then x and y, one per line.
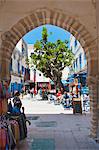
pixel 57 33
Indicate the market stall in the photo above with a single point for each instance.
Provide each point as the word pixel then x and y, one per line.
pixel 77 106
pixel 12 125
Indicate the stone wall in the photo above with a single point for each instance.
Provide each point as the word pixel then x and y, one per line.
pixel 76 26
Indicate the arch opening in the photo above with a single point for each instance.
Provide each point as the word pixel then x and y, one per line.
pixel 47 16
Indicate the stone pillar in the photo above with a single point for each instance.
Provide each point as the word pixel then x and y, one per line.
pixel 4 83
pixel 92 82
pixel 97 76
pixel 4 76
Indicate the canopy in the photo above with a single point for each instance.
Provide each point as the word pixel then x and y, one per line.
pixel 65 82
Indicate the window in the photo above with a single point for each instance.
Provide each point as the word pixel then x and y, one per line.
pixel 84 56
pixel 80 60
pixel 14 56
pixel 22 49
pixel 76 63
pixel 85 61
pixel 18 67
pixel 71 48
pixel 22 69
pixel 11 65
pixel 75 42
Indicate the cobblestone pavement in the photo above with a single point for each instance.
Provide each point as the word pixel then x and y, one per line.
pixel 58 131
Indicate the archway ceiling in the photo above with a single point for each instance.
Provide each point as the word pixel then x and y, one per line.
pixel 83 10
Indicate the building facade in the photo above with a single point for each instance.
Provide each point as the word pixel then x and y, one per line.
pixel 80 62
pixel 36 75
pixel 25 65
pixel 18 68
pixel 78 70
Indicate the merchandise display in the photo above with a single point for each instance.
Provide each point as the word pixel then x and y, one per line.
pixel 12 121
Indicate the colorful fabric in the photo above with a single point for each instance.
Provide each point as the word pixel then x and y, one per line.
pixel 4 90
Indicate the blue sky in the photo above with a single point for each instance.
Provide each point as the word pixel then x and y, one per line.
pixel 57 33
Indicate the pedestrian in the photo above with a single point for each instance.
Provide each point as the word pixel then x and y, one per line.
pixel 35 92
pixel 66 101
pixel 40 91
pixel 65 95
pixel 59 96
pixel 32 91
pixel 22 92
pixel 17 103
pixel 10 108
pixel 43 90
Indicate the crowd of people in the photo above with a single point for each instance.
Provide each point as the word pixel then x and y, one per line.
pixel 60 97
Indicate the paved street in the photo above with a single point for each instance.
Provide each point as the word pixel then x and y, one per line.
pixel 34 106
pixel 56 130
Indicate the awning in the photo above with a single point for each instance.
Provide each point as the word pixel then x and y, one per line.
pixel 84 75
pixel 71 76
pixel 65 82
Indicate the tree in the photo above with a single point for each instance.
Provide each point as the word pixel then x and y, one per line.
pixel 51 57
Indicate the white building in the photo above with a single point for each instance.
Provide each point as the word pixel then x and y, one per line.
pixel 80 62
pixel 15 70
pixel 18 66
pixel 39 75
pixel 79 65
pixel 65 73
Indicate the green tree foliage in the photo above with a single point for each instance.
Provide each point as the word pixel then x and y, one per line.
pixel 51 57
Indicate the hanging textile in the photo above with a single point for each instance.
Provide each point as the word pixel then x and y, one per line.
pixel 3 107
pixel 3 133
pixel 15 129
pixel 3 138
pixel 11 138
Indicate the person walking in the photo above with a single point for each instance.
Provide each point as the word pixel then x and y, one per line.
pixel 32 91
pixel 59 96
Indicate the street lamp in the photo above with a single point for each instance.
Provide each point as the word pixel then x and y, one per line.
pixel 34 81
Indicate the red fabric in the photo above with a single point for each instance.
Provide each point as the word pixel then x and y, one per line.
pixel 59 94
pixel 35 91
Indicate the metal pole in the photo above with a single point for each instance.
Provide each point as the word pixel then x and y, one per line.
pixel 34 81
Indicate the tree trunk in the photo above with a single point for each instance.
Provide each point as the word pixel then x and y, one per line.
pixel 59 85
pixel 57 79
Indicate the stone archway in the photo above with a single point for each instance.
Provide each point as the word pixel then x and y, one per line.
pixel 49 16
